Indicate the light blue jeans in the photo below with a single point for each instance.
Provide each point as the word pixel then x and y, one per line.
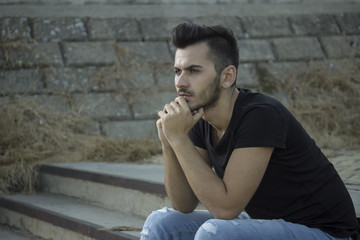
pixel 169 224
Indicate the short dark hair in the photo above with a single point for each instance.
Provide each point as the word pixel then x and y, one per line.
pixel 221 41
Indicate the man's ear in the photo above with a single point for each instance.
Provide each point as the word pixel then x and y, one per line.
pixel 228 76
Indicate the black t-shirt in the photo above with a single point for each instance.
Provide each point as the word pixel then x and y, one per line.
pixel 300 185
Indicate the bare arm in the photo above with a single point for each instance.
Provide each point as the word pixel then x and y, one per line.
pixel 224 198
pixel 177 187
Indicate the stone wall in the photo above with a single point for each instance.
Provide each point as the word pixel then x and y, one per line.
pixel 118 71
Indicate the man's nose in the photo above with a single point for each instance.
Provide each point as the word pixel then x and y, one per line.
pixel 181 81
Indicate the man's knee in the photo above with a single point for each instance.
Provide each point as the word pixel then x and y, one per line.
pixel 209 230
pixel 155 224
pixel 163 223
pixel 157 215
pixel 216 229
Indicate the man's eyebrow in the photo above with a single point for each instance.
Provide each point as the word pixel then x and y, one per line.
pixel 193 66
pixel 189 67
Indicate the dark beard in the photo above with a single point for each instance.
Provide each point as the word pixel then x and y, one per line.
pixel 210 95
pixel 213 91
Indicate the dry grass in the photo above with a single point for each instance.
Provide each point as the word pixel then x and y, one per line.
pixel 30 135
pixel 325 101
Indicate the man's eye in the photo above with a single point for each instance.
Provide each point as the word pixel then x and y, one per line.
pixel 194 70
pixel 177 71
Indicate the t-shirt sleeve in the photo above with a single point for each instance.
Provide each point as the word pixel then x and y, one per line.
pixel 263 126
pixel 196 135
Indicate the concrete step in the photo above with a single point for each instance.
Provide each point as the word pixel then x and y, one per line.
pixel 7 233
pixel 134 189
pixel 57 217
pixel 78 199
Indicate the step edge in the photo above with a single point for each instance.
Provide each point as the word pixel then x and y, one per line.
pixel 60 220
pixel 108 179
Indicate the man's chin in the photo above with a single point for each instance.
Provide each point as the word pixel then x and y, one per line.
pixel 194 108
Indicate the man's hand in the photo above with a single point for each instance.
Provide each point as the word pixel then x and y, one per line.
pixel 176 120
pixel 162 137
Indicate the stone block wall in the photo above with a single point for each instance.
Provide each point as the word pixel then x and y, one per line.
pixel 118 71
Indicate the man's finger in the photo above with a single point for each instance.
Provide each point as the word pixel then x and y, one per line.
pixel 158 124
pixel 161 114
pixel 182 102
pixel 198 114
pixel 175 105
pixel 169 108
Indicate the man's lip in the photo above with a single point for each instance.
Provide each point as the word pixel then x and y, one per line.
pixel 185 96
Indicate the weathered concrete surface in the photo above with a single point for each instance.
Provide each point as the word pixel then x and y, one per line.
pixel 134 202
pixel 81 188
pixel 129 201
pixel 7 233
pixel 177 10
pixel 125 62
pixel 66 208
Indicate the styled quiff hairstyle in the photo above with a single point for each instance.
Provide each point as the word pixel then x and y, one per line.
pixel 221 41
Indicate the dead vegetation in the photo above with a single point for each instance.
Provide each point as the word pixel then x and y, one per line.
pixel 327 103
pixel 31 135
pixel 325 100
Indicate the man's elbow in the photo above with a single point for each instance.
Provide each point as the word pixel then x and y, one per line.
pixel 185 208
pixel 226 214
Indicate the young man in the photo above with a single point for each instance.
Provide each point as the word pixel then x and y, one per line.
pixel 241 154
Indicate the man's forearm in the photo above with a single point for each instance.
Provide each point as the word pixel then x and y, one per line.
pixel 203 180
pixel 176 184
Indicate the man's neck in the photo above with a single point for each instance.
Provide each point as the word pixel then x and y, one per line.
pixel 219 116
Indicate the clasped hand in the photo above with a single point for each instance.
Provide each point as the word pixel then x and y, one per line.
pixel 176 120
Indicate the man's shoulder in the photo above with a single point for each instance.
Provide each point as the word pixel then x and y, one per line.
pixel 249 99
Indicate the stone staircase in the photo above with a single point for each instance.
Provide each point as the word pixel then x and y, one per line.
pixel 104 201
pixel 85 201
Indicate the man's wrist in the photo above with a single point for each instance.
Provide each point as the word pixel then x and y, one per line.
pixel 166 147
pixel 179 141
